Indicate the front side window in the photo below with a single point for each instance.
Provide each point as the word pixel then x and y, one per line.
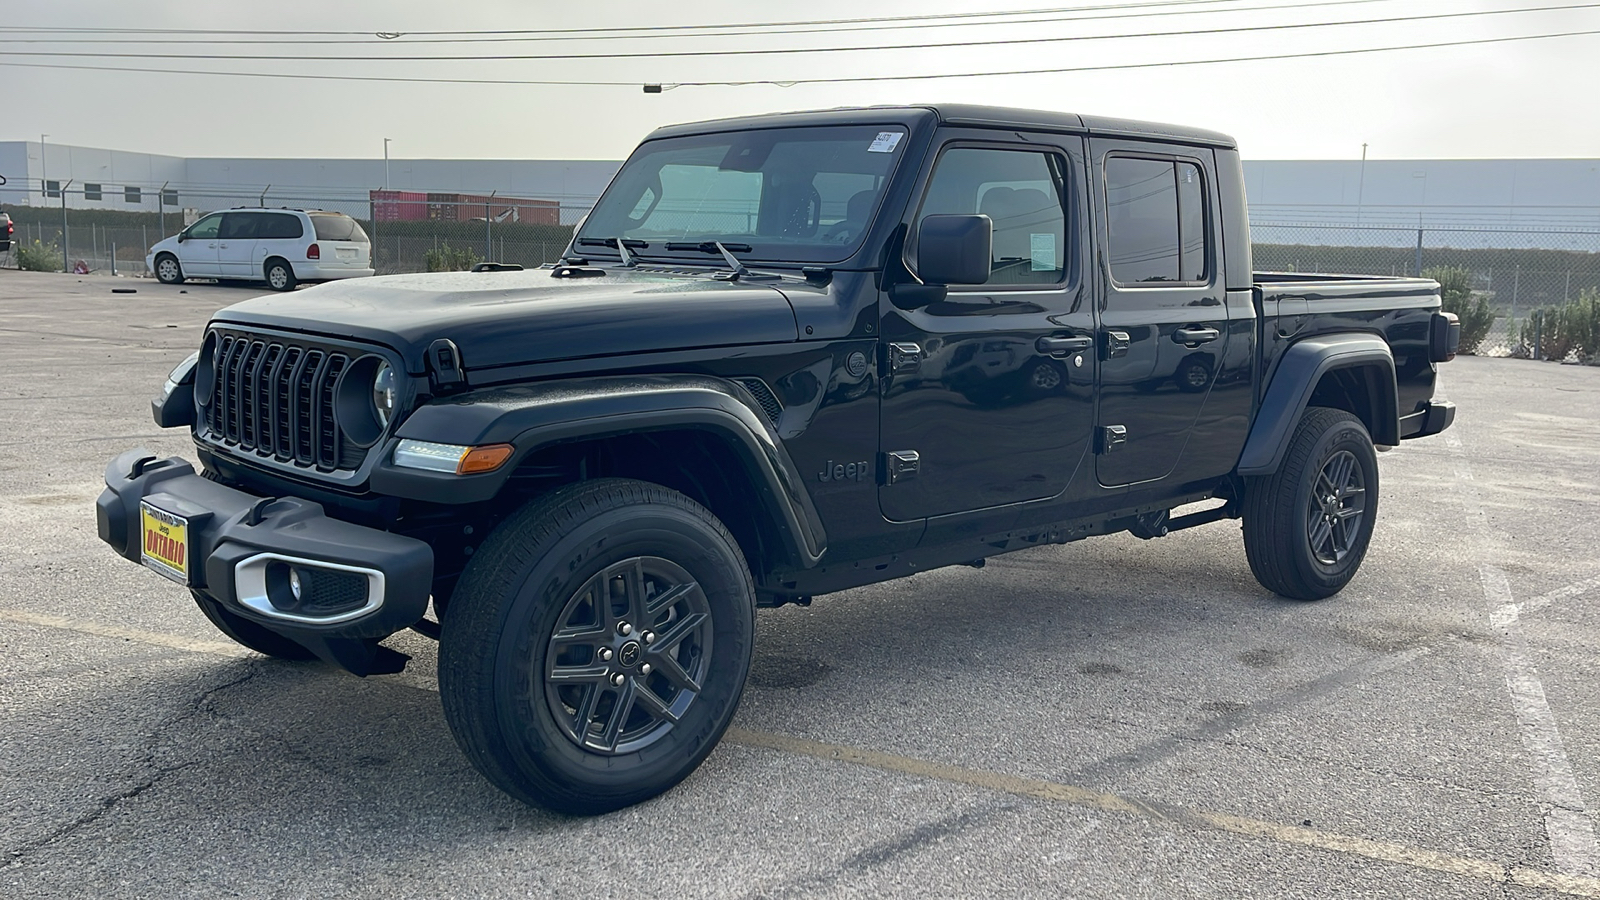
pixel 206 229
pixel 1021 192
pixel 1155 221
pixel 791 194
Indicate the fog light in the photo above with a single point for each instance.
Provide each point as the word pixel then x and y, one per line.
pixel 294 584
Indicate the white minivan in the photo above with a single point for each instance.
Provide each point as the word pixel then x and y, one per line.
pixel 282 247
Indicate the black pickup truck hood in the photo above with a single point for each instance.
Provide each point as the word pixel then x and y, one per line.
pixel 507 318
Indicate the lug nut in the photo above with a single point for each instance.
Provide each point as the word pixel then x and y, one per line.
pixel 644 669
pixel 624 628
pixel 618 679
pixel 606 654
pixel 649 637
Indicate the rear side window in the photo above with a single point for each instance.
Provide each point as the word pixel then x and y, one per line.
pixel 1156 221
pixel 338 228
pixel 278 226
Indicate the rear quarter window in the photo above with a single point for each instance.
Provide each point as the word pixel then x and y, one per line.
pixel 338 228
pixel 278 226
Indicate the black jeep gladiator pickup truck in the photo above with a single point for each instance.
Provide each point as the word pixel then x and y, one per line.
pixel 784 355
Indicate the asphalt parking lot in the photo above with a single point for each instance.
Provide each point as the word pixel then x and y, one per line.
pixel 1113 718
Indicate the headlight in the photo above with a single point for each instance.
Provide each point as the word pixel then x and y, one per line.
pixel 383 394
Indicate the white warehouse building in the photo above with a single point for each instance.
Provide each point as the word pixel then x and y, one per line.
pixel 1292 197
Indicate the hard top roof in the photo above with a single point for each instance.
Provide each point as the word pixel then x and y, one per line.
pixel 963 114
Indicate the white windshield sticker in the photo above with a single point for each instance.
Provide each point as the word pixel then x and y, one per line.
pixel 1042 249
pixel 886 141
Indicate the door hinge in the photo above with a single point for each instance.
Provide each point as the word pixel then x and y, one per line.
pixel 904 357
pixel 1112 437
pixel 1117 343
pixel 899 465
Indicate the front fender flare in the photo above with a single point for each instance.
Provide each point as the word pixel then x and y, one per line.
pixel 538 415
pixel 1296 379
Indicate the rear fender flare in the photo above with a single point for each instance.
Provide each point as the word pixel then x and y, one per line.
pixel 1296 379
pixel 535 416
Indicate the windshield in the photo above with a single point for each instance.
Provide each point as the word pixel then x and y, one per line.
pixel 791 194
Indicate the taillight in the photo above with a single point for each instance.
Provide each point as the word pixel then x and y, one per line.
pixel 313 252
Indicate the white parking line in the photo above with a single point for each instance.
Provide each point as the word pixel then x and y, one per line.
pixel 1567 823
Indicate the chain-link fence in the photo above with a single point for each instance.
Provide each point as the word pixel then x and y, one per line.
pixel 1531 290
pixel 409 232
pixel 1528 293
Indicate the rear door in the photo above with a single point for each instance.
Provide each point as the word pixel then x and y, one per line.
pixel 343 242
pixel 277 234
pixel 197 249
pixel 987 393
pixel 1163 323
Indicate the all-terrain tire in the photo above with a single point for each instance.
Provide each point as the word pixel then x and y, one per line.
pixel 248 633
pixel 596 647
pixel 1307 526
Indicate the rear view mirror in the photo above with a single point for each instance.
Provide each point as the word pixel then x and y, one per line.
pixel 954 249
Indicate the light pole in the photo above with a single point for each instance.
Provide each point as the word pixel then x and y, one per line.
pixel 386 164
pixel 43 194
pixel 1361 183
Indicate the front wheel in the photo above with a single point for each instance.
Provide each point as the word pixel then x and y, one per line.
pixel 596 647
pixel 1307 526
pixel 167 269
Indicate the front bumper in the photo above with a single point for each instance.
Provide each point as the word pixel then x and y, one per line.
pixel 1430 420
pixel 377 582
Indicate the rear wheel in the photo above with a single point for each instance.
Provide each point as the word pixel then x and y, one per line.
pixel 596 647
pixel 248 633
pixel 167 269
pixel 279 275
pixel 1307 527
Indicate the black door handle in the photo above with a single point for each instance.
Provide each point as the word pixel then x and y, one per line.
pixel 1196 335
pixel 1063 346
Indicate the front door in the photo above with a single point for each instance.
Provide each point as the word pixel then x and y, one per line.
pixel 236 243
pixel 197 251
pixel 987 396
pixel 1163 325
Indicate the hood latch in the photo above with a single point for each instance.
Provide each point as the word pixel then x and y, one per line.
pixel 445 374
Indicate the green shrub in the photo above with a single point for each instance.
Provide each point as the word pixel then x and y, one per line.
pixel 38 257
pixel 446 258
pixel 1557 332
pixel 1455 291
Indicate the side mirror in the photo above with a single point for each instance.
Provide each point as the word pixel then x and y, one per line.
pixel 955 249
pixel 183 236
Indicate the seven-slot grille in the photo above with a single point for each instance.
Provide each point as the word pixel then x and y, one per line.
pixel 276 398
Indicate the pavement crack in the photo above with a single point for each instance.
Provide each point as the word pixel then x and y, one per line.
pixel 153 773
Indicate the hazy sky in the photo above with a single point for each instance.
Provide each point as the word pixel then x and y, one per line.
pixel 1530 99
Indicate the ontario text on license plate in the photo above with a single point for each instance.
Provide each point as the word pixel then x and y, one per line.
pixel 165 542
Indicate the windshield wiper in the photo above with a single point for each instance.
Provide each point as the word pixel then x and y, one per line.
pixel 621 245
pixel 727 250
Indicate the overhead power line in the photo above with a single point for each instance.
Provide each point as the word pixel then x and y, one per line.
pixel 770 51
pixel 837 80
pixel 623 29
pixel 843 26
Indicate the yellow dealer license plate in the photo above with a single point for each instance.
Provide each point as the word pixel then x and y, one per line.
pixel 166 542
